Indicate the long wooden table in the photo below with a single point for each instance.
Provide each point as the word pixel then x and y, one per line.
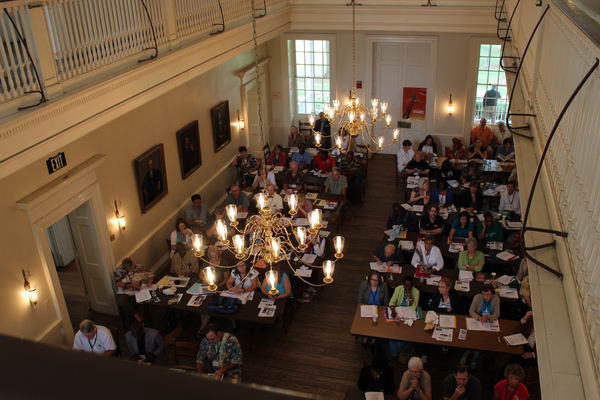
pixel 476 340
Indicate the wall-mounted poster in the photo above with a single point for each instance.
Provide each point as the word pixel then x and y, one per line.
pixel 221 127
pixel 414 101
pixel 151 176
pixel 188 143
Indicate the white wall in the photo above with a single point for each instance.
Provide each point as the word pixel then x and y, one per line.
pixel 455 73
pixel 121 140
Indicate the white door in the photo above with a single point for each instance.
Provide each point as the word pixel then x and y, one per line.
pixel 395 66
pixel 97 280
pixel 255 142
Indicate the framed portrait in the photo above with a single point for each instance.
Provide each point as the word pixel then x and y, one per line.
pixel 414 101
pixel 221 127
pixel 188 143
pixel 151 176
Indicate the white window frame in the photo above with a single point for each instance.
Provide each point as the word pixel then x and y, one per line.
pixel 474 116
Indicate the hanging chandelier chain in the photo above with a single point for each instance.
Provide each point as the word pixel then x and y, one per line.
pixel 257 69
pixel 353 44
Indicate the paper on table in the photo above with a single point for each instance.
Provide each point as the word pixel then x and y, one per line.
pixel 442 334
pixel 309 258
pixel 452 183
pixel 266 302
pixel 242 214
pixel 304 272
pixel 417 208
pixel 406 313
pixel 367 311
pixel 378 267
pixel 516 340
pixel 278 168
pixel 142 296
pixel 198 288
pixel 462 286
pixel 507 256
pixel 243 297
pixel 514 224
pixel 432 318
pixel 196 300
pixel 434 280
pixel 465 275
pixel 301 222
pixel 462 334
pixel 177 281
pixel 406 245
pixel 505 279
pixel 447 321
pixel 489 326
pixel 374 396
pixel 406 206
pixel 324 234
pixel 456 247
pixel 267 312
pixel 311 196
pixel 508 293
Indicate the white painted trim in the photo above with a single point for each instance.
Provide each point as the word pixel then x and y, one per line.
pixel 53 201
pixel 52 331
pixel 370 41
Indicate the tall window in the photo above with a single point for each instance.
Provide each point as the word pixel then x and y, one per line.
pixel 492 98
pixel 310 69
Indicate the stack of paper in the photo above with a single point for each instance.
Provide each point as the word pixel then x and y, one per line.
pixel 465 275
pixel 508 293
pixel 311 196
pixel 243 297
pixel 432 318
pixel 406 206
pixel 505 279
pixel 514 225
pixel 434 280
pixel 378 267
pixel 456 247
pixel 324 234
pixel 309 258
pixel 442 334
pixel 142 296
pixel 198 288
pixel 406 245
pixel 488 326
pixel 368 311
pixel 507 256
pixel 515 340
pixel 447 321
pixel 462 286
pixel 266 308
pixel 304 272
pixel 417 208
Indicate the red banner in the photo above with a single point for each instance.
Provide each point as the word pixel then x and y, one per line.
pixel 414 101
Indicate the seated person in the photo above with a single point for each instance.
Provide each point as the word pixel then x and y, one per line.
pixel 415 382
pixel 428 146
pixel 336 183
pixel 245 164
pixel 417 165
pixel 219 213
pixel 388 253
pixel 294 180
pixel 506 152
pixel 303 158
pixel 457 151
pixel 445 300
pixel 220 354
pixel 277 158
pixel 510 201
pixel 405 295
pixel 396 217
pixel 512 387
pixel 477 151
pixel 237 197
pixel 275 202
pixel 473 199
pixel 442 194
pixel 263 178
pixel 181 234
pixel 92 338
pixel 323 162
pixel 461 385
pixel 461 228
pixel 145 345
pixel 483 133
pixel 283 285
pixel 316 245
pixel 404 155
pixel 374 291
pixel 296 139
pixel 421 195
pixel 196 216
pixel 427 256
pixel 431 223
pixel 214 258
pixel 241 280
pixel 473 173
pixel 183 262
pixel 349 165
pixel 528 357
pixel 471 259
pixel 304 206
pixel 448 172
pixel 485 305
pixel 490 230
pixel 130 277
pixel 501 133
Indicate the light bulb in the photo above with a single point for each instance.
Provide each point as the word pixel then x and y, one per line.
pixel 122 222
pixel 197 243
pixel 317 139
pixel 374 103
pixel 338 142
pixel 362 117
pixel 272 280
pixel 293 201
pixel 336 104
pixel 328 267
pixel 384 107
pixel 351 116
pixel 311 120
pixel 388 120
pixel 231 210
pixel 301 235
pixel 314 219
pixel 380 142
pixel 210 277
pixel 261 201
pixel 275 247
pixel 395 134
pixel 238 243
pixel 338 244
pixel 221 230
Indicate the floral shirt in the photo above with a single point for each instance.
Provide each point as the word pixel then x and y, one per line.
pixel 246 165
pixel 217 355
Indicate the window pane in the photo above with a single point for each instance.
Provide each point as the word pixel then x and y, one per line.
pixel 485 50
pixel 302 108
pixel 326 85
pixel 299 83
pixel 319 58
pixel 319 71
pixel 484 63
pixel 300 71
pixel 318 45
pixel 299 45
pixel 482 77
pixel 496 50
pixel 312 86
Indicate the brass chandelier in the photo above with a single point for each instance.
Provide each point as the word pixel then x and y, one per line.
pixel 355 118
pixel 269 235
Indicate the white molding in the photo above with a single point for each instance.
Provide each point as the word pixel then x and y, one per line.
pixel 59 123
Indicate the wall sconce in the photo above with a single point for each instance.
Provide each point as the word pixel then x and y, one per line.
pixel 119 220
pixel 241 124
pixel 450 105
pixel 30 292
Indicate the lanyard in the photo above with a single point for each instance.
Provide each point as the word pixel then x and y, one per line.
pixel 92 345
pixel 374 297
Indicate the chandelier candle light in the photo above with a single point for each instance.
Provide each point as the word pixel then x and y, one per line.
pixel 354 118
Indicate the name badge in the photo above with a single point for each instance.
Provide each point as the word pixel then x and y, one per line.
pixel 216 364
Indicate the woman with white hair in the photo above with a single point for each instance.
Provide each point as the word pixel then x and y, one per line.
pixel 421 195
pixel 415 383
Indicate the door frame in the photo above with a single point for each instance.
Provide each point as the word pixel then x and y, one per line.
pixel 370 41
pixel 53 201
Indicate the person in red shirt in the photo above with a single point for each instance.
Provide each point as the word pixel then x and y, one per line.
pixel 277 157
pixel 323 161
pixel 512 387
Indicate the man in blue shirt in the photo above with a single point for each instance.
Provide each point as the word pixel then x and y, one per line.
pixel 302 157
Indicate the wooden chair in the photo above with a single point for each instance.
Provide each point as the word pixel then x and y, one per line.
pixel 184 355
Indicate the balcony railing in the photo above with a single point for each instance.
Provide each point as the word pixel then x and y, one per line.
pixel 70 38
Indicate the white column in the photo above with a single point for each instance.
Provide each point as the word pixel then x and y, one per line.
pixel 43 47
pixel 170 21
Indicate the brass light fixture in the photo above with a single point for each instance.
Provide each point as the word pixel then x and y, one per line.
pixel 450 105
pixel 30 291
pixel 119 220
